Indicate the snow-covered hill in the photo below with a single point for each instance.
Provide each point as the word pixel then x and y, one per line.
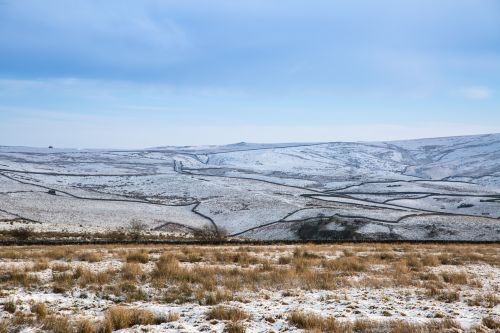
pixel 442 188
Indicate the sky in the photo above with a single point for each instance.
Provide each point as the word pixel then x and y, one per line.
pixel 132 74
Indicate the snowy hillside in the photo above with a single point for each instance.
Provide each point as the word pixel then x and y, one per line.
pixel 443 188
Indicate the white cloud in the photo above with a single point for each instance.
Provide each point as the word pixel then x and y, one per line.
pixel 477 93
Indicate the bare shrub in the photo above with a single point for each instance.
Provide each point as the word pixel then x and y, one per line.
pixel 137 227
pixel 22 233
pixel 209 232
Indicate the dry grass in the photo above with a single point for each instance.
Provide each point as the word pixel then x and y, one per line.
pixel 10 306
pixel 488 300
pixel 346 265
pixel 40 310
pixel 226 313
pixel 232 327
pixel 138 256
pixel 91 256
pixel 314 323
pixel 18 277
pixel 86 326
pixel 86 277
pixel 41 265
pixel 211 275
pixel 491 323
pixel 122 317
pixel 455 277
pixel 132 272
pixel 57 324
pixel 306 321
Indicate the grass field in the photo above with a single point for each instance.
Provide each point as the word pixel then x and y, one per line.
pixel 272 288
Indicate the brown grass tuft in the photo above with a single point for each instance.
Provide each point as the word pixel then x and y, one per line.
pixel 122 317
pixel 40 309
pixel 138 256
pixel 57 324
pixel 226 313
pixel 455 277
pixel 491 323
pixel 232 327
pixel 91 256
pixel 10 306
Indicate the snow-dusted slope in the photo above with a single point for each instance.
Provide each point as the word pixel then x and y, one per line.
pixel 442 188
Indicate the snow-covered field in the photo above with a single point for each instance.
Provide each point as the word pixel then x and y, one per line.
pixel 373 287
pixel 443 188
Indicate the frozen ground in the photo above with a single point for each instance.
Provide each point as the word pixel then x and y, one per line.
pixel 365 283
pixel 443 188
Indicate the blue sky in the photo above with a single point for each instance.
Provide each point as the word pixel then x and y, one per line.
pixel 123 73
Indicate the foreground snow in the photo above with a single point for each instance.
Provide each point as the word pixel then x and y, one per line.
pixel 415 284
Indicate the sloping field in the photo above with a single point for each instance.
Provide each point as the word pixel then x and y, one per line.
pixel 429 189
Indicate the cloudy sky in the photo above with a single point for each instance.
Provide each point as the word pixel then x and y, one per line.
pixel 123 73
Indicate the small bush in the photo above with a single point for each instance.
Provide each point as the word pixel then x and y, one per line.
pixel 210 233
pixel 22 233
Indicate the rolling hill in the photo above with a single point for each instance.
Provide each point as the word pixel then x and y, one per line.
pixel 429 189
